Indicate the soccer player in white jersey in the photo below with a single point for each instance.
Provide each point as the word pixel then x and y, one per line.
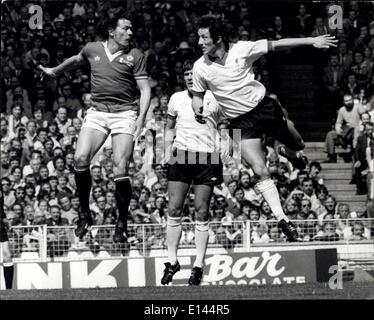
pixel 8 268
pixel 194 158
pixel 118 73
pixel 226 69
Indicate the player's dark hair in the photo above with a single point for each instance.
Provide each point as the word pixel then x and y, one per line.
pixel 218 28
pixel 110 22
pixel 187 65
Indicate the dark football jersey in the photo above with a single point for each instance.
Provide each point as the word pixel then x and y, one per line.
pixel 113 77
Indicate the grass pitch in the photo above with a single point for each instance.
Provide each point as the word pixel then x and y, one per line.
pixel 351 290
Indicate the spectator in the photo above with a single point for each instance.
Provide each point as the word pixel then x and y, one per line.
pixel 67 211
pixel 361 165
pixel 275 235
pixel 348 119
pixel 304 23
pixel 328 233
pixel 188 235
pixel 62 121
pixel 332 77
pixel 56 218
pixel 309 191
pixel 8 193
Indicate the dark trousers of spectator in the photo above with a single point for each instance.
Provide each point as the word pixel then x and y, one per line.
pixel 361 181
pixel 333 139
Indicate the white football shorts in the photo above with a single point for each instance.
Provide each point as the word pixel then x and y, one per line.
pixel 111 123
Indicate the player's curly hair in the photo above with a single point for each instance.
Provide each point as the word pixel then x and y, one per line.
pixel 187 65
pixel 110 21
pixel 218 27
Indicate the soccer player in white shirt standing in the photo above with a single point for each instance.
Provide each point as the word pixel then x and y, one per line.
pixel 194 158
pixel 226 69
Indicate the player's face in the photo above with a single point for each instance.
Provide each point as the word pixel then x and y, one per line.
pixel 188 79
pixel 206 42
pixel 123 33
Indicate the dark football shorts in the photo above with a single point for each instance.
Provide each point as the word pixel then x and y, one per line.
pixel 196 167
pixel 267 118
pixel 3 232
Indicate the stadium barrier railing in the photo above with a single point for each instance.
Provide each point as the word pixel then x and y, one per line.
pixel 42 243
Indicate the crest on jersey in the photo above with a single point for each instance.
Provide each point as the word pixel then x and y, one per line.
pixel 97 58
pixel 130 58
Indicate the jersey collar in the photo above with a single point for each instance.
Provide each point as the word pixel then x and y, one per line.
pixel 110 56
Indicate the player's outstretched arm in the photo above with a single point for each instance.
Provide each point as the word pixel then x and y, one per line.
pixel 198 106
pixel 321 42
pixel 145 99
pixel 69 64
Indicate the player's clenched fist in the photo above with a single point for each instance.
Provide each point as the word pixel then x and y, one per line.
pixel 48 71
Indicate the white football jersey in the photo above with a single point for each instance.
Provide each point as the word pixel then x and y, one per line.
pixel 233 84
pixel 190 134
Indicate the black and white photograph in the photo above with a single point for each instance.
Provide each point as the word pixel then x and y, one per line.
pixel 187 154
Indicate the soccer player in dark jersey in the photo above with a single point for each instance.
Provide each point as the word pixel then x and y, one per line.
pixel 226 69
pixel 8 268
pixel 118 72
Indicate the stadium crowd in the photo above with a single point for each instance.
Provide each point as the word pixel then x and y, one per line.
pixel 41 118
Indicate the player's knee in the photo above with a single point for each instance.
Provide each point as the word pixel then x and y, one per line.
pixel 202 226
pixel 81 159
pixel 7 257
pixel 174 211
pixel 261 171
pixel 202 213
pixel 120 163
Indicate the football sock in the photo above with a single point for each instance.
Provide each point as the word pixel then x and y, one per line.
pixel 83 182
pixel 201 241
pixel 8 271
pixel 173 236
pixel 123 196
pixel 270 193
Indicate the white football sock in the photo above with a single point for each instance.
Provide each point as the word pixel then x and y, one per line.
pixel 173 235
pixel 270 193
pixel 201 242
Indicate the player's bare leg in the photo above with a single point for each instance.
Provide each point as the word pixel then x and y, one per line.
pixel 252 153
pixel 122 149
pixel 177 194
pixel 89 142
pixel 203 193
pixel 8 267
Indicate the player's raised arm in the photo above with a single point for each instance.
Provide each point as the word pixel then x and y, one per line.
pixel 321 42
pixel 145 99
pixel 69 64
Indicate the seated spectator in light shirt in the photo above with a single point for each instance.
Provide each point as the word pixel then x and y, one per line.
pixel 63 122
pixel 67 212
pixel 357 232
